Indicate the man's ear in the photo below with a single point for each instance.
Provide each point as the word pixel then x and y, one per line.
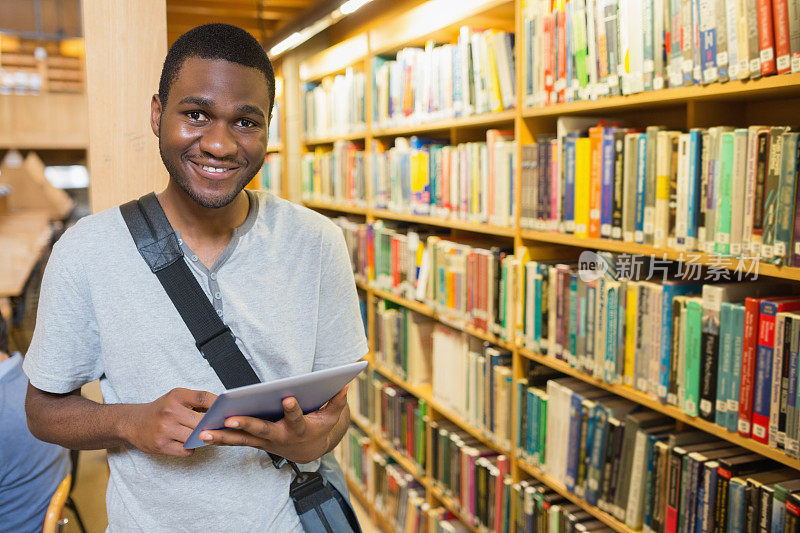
pixel 155 114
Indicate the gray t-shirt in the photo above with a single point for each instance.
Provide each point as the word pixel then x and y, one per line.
pixel 285 287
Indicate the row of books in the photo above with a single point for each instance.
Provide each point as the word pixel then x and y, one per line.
pixel 722 351
pixel 721 190
pixel 636 465
pixel 540 509
pixel 473 76
pixel 335 106
pixel 468 285
pixel 471 181
pixel 272 173
pixel 586 49
pixel 475 477
pixel 393 491
pixel 335 174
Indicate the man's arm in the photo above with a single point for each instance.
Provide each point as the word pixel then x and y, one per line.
pixel 158 427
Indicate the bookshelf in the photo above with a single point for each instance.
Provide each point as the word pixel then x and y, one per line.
pixel 771 100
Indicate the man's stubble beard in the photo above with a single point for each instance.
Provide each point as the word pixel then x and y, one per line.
pixel 177 176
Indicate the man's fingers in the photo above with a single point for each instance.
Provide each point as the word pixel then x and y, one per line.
pixel 338 402
pixel 180 433
pixel 293 415
pixel 231 437
pixel 176 449
pixel 199 400
pixel 254 426
pixel 187 417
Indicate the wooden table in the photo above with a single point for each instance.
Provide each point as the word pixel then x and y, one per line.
pixel 23 237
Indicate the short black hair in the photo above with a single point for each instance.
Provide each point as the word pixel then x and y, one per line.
pixel 216 41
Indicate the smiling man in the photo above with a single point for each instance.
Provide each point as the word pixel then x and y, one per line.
pixel 278 274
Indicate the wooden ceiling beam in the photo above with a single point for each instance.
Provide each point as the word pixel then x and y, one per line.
pixel 189 19
pixel 266 14
pixel 176 30
pixel 241 6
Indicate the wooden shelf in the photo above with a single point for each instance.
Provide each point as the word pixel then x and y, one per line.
pixel 554 484
pixel 425 309
pixel 730 263
pixel 451 506
pixel 335 59
pixel 325 206
pixel 425 392
pixel 463 225
pixel 274 148
pixel 313 141
pixel 670 410
pixel 486 119
pixel 784 85
pixel 439 20
pixel 355 490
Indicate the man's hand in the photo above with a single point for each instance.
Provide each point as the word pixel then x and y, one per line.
pixel 296 437
pixel 162 426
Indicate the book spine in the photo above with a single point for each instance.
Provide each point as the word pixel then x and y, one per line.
pixel 608 182
pixel 748 375
pixel 763 378
pixel 783 52
pixel 724 365
pixel 693 358
pixel 766 39
pixel 641 188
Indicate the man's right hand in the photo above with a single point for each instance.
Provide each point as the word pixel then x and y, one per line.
pixel 162 426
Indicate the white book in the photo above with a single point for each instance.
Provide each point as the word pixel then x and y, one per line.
pixel 775 392
pixel 682 210
pixel 504 69
pixel 731 22
pixel 750 190
pixel 738 190
pixel 659 7
pixel 591 56
pixel 664 143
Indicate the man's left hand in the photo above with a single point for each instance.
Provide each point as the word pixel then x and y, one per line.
pixel 297 437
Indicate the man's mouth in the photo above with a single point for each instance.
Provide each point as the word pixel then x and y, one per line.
pixel 214 171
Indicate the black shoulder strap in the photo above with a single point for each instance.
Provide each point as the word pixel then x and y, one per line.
pixel 158 245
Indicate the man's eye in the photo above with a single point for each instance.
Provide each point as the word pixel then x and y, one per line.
pixel 195 115
pixel 246 123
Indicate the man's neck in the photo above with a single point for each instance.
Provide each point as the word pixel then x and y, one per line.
pixel 201 223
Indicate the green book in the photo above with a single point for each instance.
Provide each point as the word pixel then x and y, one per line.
pixel 784 224
pixel 722 235
pixel 694 327
pixel 542 425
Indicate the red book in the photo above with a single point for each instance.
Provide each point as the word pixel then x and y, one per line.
pixel 562 55
pixel 395 267
pixel 765 352
pixel 766 40
pixel 780 16
pixel 502 467
pixel 595 178
pixel 410 428
pixel 548 59
pixel 749 345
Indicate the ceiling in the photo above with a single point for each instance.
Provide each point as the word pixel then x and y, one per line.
pixel 262 18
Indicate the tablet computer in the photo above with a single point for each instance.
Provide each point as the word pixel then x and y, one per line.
pixel 264 400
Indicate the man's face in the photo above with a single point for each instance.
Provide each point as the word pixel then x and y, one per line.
pixel 213 132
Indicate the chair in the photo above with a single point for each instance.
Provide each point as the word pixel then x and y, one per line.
pixel 56 508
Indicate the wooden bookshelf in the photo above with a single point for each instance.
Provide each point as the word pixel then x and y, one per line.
pixel 767 88
pixel 769 100
pixel 275 148
pixel 554 484
pixel 335 59
pixel 309 141
pixel 502 118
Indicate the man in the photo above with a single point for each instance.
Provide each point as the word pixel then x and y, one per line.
pixel 278 274
pixel 30 470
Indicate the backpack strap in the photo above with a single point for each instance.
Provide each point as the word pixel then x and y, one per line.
pixel 158 245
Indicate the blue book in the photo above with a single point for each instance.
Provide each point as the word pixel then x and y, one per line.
pixel 569 181
pixel 590 295
pixel 611 291
pixel 737 490
pixel 707 504
pixel 698 518
pixel 533 421
pixel 693 200
pixel 607 181
pixel 523 421
pixel 597 455
pixel 641 187
pixel 671 289
pixel 734 384
pixel 650 473
pixel 724 364
pixel 573 440
pixel 649 56
pixel 690 485
pixel 573 320
pixel 708 40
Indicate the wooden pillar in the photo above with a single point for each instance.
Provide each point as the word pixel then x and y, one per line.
pixel 125 47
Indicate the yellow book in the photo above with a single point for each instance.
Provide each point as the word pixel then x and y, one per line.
pixel 494 79
pixel 631 309
pixel 419 175
pixel 583 163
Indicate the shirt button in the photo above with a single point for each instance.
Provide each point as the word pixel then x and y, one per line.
pixel 180 241
pixel 217 295
pixel 219 312
pixel 214 275
pixel 194 258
